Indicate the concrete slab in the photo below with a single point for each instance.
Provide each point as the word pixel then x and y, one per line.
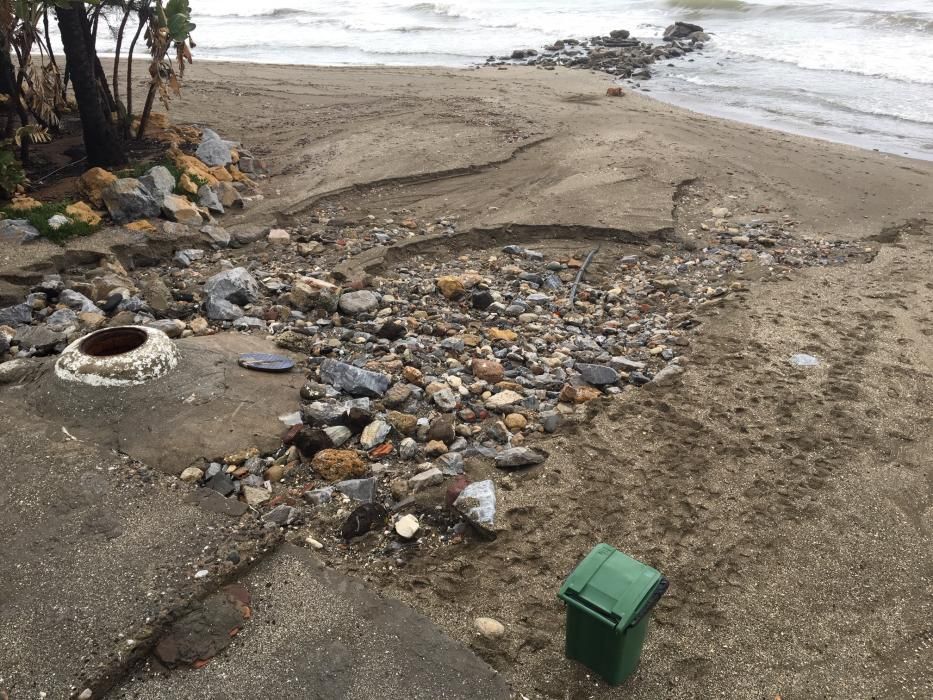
pixel 206 408
pixel 90 548
pixel 319 635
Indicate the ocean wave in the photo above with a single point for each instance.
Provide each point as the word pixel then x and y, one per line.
pixel 434 9
pixel 739 5
pixel 813 63
pixel 277 13
pixel 901 20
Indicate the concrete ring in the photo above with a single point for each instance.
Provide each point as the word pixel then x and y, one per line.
pixel 121 356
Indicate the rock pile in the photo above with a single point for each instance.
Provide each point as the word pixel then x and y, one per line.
pixel 617 54
pixel 428 387
pixel 209 183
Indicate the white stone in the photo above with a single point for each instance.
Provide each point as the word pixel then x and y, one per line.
pixel 278 236
pixel 57 221
pixel 192 475
pixel 503 399
pixel 489 628
pixel 407 526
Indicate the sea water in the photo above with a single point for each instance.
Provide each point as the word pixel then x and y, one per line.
pixel 857 71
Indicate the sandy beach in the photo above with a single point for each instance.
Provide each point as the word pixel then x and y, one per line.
pixel 791 509
pixel 792 512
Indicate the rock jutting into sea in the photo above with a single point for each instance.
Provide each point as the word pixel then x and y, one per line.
pixel 617 54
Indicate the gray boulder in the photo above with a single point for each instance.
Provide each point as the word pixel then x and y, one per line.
pixel 516 457
pixel 18 229
pixel 680 30
pixel 127 200
pixel 237 286
pixel 16 315
pixel 62 319
pixel 42 339
pixel 477 504
pixel 208 199
pixel 159 182
pixel 363 490
pixel 216 236
pixel 282 515
pixel 597 375
pixel 353 380
pixel 222 310
pixel 78 302
pixel 214 150
pixel 363 301
pixel 450 464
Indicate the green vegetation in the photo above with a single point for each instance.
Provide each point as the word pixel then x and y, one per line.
pixel 11 172
pixel 39 217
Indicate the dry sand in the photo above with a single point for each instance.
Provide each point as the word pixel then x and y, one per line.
pixel 792 510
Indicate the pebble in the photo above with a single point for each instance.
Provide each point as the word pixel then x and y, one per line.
pixel 407 526
pixel 192 475
pixel 489 628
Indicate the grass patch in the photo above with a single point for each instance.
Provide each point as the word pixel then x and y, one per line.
pixel 39 217
pixel 137 170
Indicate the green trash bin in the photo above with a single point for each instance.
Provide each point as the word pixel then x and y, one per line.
pixel 608 597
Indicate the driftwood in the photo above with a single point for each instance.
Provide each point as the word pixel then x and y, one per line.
pixel 576 282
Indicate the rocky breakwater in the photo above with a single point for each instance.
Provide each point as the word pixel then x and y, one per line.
pixel 617 53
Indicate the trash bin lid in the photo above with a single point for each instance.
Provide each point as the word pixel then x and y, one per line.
pixel 611 585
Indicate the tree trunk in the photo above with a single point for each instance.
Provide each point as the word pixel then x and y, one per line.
pixel 143 18
pixel 102 141
pixel 115 83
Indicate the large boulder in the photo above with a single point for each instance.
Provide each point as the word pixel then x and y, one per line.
pixel 77 302
pixel 680 30
pixel 41 339
pixel 214 151
pixel 237 286
pixel 228 195
pixel 177 208
pixel 353 380
pixel 127 200
pixel 18 315
pixel 19 230
pixel 159 181
pixel 222 310
pixel 92 184
pixel 208 199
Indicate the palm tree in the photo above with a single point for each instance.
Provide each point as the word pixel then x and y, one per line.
pixel 102 139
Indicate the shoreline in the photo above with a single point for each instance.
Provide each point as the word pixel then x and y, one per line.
pixel 662 93
pixel 601 161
